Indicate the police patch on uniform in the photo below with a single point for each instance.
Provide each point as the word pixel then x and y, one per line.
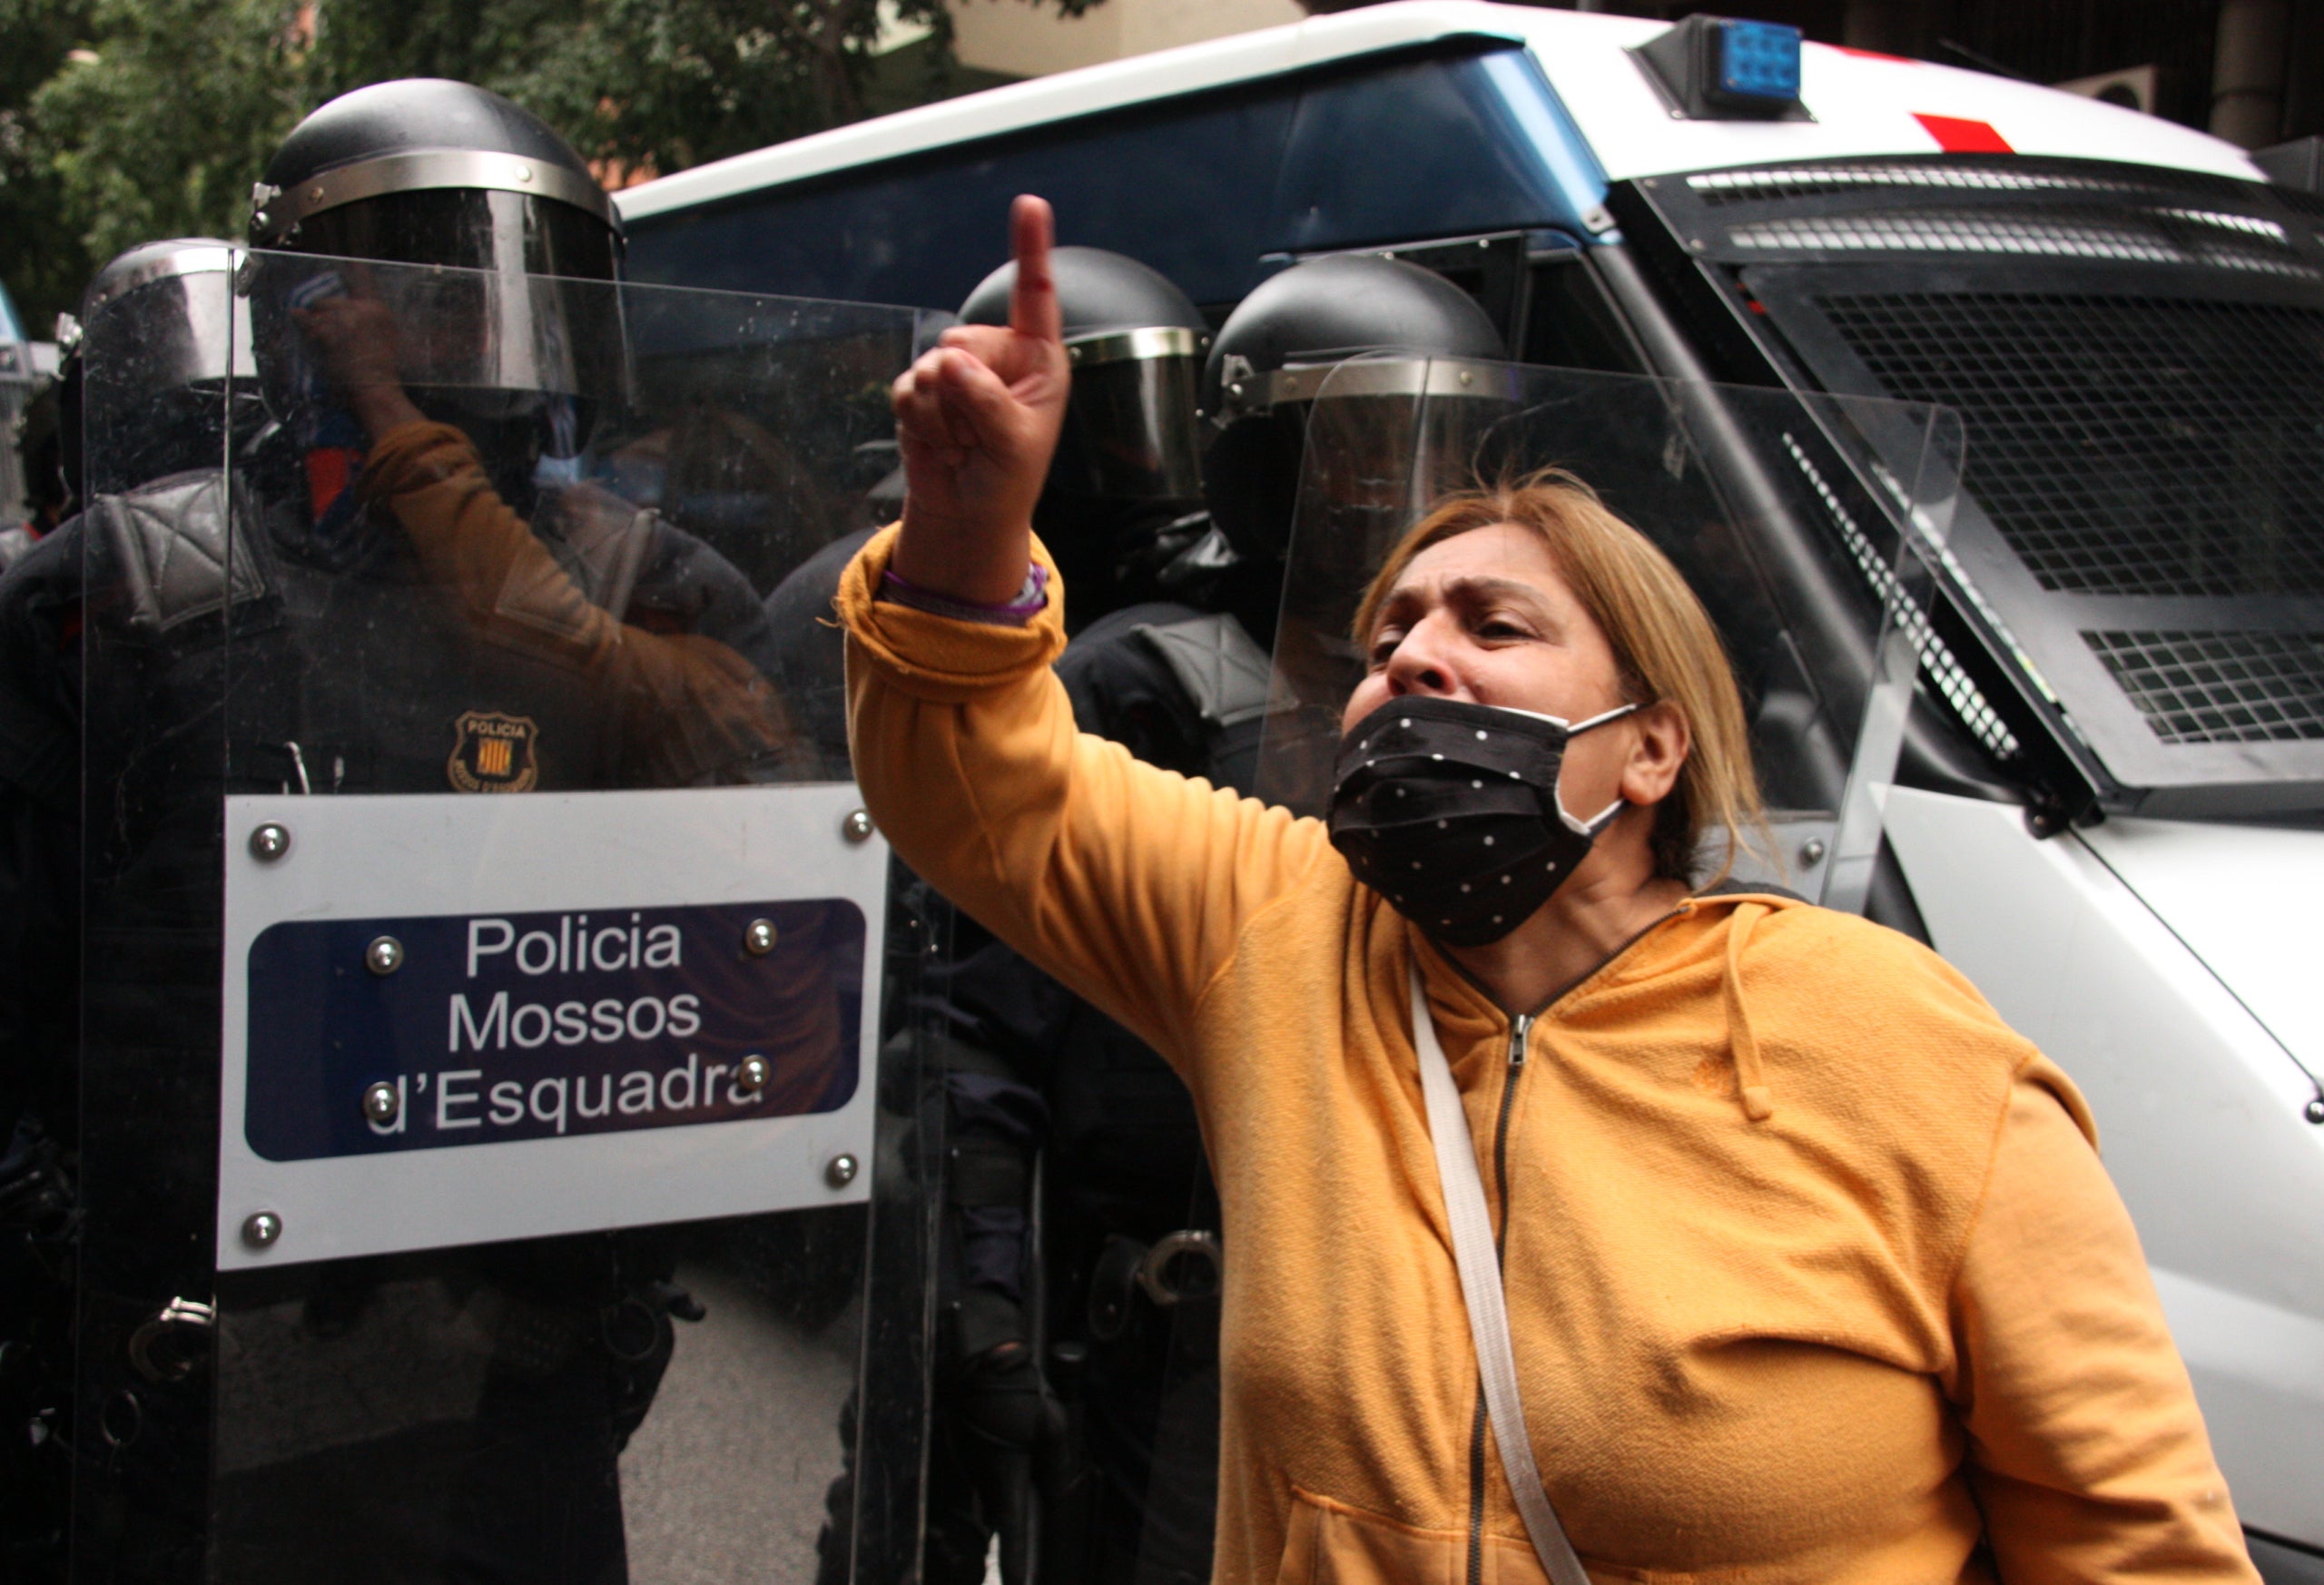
pixel 492 753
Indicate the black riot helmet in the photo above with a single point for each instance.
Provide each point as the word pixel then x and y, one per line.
pixel 157 375
pixel 426 171
pixel 1128 473
pixel 1410 414
pixel 509 321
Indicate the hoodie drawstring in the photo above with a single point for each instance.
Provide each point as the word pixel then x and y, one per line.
pixel 1758 1100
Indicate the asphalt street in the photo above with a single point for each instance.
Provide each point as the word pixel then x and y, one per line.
pixel 724 1481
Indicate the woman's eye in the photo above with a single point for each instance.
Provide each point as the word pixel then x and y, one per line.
pixel 1382 648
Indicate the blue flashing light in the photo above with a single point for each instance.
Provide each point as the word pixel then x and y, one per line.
pixel 1758 60
pixel 1724 68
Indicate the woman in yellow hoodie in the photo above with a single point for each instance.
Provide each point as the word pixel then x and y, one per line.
pixel 1811 1269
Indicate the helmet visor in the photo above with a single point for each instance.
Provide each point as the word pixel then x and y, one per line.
pixel 1399 431
pixel 181 313
pixel 465 227
pixel 465 343
pixel 169 405
pixel 1132 429
pixel 517 303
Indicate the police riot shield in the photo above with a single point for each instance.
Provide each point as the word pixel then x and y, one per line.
pixel 1805 525
pixel 501 1146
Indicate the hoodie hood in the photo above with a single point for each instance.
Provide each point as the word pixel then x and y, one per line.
pixel 1686 952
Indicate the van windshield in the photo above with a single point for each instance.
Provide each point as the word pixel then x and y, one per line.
pixel 2138 358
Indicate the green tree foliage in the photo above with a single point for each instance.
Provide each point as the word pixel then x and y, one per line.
pixel 121 120
pixel 39 258
pixel 160 129
pixel 662 87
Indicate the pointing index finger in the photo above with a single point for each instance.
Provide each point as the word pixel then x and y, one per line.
pixel 1032 305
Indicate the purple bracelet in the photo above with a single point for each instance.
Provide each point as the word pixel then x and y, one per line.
pixel 1031 601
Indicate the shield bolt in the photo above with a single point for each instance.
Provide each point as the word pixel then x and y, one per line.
pixel 841 1172
pixel 260 1229
pixel 380 1102
pixel 752 1073
pixel 270 842
pixel 758 937
pixel 2314 1111
pixel 856 827
pixel 1811 851
pixel 384 955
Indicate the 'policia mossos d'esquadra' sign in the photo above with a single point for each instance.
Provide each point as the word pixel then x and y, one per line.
pixel 453 1021
pixel 499 1027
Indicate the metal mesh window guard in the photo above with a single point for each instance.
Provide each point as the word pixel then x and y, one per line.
pixel 2125 446
pixel 2137 357
pixel 2220 687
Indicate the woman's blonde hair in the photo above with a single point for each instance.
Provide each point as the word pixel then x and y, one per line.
pixel 1664 644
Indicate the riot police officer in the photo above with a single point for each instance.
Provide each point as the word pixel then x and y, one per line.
pixel 1417 387
pixel 1386 333
pixel 178 427
pixel 1027 1069
pixel 1084 1361
pixel 1160 664
pixel 481 618
pixel 390 577
pixel 1131 1248
pixel 183 418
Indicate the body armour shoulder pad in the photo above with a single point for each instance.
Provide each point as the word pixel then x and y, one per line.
pixel 1222 672
pixel 170 539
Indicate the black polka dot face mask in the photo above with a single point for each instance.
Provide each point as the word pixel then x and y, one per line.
pixel 1451 812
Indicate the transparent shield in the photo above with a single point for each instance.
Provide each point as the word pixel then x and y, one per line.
pixel 503 1139
pixel 1806 552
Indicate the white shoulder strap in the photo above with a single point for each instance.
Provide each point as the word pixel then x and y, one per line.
pixel 1472 1248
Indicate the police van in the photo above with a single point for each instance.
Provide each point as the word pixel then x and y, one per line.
pixel 2110 807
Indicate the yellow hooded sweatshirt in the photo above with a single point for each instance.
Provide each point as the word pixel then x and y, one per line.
pixel 1812 1270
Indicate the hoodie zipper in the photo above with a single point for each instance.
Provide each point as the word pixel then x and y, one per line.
pixel 1519 1027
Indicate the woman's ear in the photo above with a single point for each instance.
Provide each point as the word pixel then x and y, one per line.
pixel 1658 743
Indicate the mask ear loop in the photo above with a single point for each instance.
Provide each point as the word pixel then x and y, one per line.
pixel 1605 817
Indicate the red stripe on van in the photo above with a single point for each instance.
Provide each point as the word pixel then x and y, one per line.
pixel 1957 136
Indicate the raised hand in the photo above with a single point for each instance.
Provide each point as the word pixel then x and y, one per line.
pixel 977 419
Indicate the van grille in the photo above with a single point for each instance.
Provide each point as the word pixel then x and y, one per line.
pixel 2123 444
pixel 2205 238
pixel 1768 183
pixel 2220 687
